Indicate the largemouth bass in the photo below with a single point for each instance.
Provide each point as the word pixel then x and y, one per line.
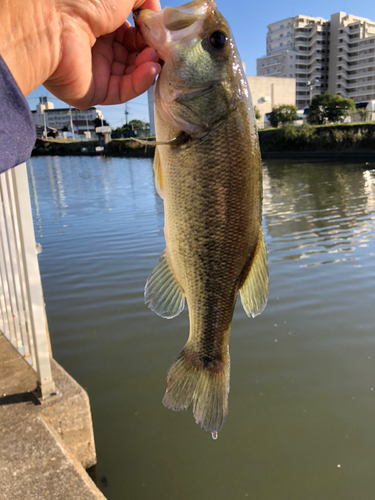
pixel 208 171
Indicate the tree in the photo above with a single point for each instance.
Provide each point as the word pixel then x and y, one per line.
pixel 137 124
pixel 98 123
pixel 258 116
pixel 285 113
pixel 327 108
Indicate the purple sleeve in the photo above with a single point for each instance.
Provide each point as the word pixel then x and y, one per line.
pixel 17 129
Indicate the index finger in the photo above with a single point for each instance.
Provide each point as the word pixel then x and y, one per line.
pixel 133 41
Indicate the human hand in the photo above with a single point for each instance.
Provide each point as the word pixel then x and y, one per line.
pixel 83 51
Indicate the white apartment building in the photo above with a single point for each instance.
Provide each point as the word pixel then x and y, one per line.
pixel 297 47
pixel 336 55
pixel 352 57
pixel 59 118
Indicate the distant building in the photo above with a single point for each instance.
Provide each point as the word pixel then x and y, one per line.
pixel 46 115
pixel 298 47
pixel 267 92
pixel 352 52
pixel 336 55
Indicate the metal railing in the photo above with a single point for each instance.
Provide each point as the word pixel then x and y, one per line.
pixel 22 314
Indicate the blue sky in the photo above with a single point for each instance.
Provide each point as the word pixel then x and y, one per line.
pixel 248 20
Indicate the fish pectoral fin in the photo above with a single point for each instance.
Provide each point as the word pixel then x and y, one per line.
pixel 162 292
pixel 254 291
pixel 158 173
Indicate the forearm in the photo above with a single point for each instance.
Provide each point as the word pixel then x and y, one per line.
pixel 29 39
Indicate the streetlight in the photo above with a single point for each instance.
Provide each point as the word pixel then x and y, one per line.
pixel 312 84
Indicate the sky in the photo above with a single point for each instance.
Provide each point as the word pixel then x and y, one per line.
pixel 248 20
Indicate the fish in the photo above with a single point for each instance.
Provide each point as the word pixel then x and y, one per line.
pixel 208 171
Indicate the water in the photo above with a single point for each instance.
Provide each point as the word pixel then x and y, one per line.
pixel 301 423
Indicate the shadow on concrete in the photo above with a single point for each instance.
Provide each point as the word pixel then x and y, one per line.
pixel 20 397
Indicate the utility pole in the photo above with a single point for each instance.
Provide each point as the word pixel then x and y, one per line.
pixel 71 122
pixel 311 84
pixel 45 126
pixel 126 114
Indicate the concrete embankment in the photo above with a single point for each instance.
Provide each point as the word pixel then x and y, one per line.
pixel 339 141
pixel 44 447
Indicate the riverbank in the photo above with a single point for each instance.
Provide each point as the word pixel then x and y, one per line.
pixel 116 147
pixel 339 141
pixel 324 138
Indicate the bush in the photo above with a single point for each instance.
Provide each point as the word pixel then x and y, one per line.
pixel 285 113
pixel 315 138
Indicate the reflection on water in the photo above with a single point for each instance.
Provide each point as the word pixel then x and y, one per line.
pixel 325 217
pixel 302 398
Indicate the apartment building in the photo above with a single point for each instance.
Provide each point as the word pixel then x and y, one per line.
pixel 352 57
pixel 297 47
pixel 335 55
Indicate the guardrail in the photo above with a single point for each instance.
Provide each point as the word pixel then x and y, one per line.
pixel 22 314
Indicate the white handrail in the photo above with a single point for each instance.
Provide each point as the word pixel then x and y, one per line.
pixel 22 313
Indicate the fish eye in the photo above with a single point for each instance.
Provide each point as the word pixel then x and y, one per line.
pixel 218 40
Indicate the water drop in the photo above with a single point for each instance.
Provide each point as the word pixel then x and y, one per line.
pixel 214 435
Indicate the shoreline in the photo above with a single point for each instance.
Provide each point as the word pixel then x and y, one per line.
pixel 330 142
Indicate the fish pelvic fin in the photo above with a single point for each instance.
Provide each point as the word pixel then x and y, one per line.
pixel 158 177
pixel 254 291
pixel 205 386
pixel 162 292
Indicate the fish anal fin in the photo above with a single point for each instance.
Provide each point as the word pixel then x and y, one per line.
pixel 254 291
pixel 162 292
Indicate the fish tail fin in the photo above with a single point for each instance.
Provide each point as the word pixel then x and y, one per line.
pixel 205 385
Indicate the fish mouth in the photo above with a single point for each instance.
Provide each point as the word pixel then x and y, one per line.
pixel 172 24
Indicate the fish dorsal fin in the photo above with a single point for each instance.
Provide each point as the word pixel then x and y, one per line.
pixel 162 292
pixel 158 173
pixel 254 291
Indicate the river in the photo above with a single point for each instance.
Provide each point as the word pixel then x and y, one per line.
pixel 301 423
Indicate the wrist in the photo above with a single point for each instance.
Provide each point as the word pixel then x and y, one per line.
pixel 29 41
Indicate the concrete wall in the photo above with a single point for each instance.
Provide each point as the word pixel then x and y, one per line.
pixel 268 92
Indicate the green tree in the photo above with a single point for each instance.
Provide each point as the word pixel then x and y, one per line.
pixel 258 115
pixel 137 124
pixel 327 107
pixel 98 123
pixel 285 113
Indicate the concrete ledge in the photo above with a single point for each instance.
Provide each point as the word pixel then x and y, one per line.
pixel 44 448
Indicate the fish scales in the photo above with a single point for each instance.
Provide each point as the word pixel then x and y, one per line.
pixel 212 218
pixel 208 172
